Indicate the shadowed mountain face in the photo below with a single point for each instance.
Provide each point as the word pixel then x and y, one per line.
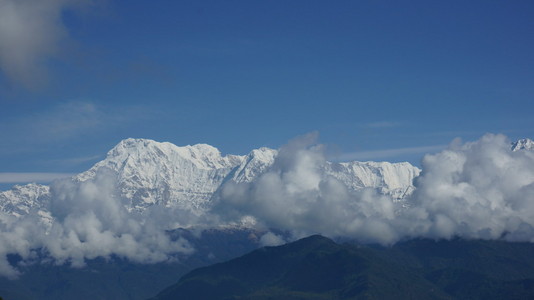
pixel 318 268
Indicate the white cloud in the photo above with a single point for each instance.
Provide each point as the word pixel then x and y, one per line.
pixel 90 221
pixel 73 161
pixel 32 177
pixel 271 239
pixel 58 123
pixel 296 195
pixel 65 121
pixel 30 33
pixel 479 189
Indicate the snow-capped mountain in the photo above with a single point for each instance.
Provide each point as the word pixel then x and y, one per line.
pixel 23 199
pixel 395 179
pixel 523 144
pixel 149 173
pixel 254 164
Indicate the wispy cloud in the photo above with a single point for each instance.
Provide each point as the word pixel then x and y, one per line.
pixel 388 153
pixel 32 177
pixel 73 161
pixel 55 124
pixel 382 124
pixel 62 122
pixel 30 33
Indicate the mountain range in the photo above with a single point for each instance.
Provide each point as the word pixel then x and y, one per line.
pixel 75 221
pixel 150 173
pixel 146 176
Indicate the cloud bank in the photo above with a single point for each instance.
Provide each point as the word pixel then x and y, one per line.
pixel 479 189
pixel 295 195
pixel 90 221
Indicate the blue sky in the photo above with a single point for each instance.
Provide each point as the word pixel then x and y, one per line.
pixel 379 80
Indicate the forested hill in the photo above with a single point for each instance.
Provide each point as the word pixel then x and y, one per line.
pixel 318 268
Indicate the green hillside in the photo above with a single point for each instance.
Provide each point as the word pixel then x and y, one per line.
pixel 318 268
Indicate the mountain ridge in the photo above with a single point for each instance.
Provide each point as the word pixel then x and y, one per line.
pixel 523 144
pixel 149 173
pixel 318 268
pixel 128 206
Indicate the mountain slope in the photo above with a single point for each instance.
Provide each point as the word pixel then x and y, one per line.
pixel 311 268
pixel 317 268
pixel 22 199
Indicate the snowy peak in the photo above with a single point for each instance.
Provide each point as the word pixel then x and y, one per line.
pixel 395 179
pixel 201 155
pixel 523 144
pixel 150 172
pixel 148 158
pixel 254 164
